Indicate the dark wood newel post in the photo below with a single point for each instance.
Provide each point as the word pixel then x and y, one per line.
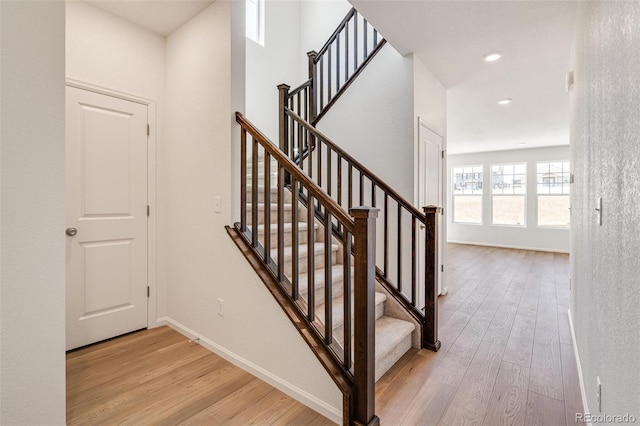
pixel 283 97
pixel 430 328
pixel 364 233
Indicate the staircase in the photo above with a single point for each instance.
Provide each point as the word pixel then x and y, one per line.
pixel 360 289
pixel 393 336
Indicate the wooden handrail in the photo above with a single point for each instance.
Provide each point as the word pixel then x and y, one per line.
pixel 298 174
pixel 352 365
pixel 358 165
pixel 337 31
pixel 321 158
pixel 353 52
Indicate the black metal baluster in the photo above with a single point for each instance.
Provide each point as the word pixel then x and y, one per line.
pixel 243 180
pixel 399 248
pixel 267 207
pixel 295 260
pixel 414 257
pixel 346 291
pixel 328 264
pixel 311 278
pixel 254 193
pixel 350 185
pixel 386 235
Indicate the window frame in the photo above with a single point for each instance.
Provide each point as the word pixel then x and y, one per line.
pixel 524 195
pixel 480 195
pixel 564 174
pixel 259 22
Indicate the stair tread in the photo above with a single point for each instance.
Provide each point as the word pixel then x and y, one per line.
pixel 338 313
pixel 274 206
pixel 288 226
pixel 337 273
pixel 318 248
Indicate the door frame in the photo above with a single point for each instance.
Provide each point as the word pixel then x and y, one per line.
pixel 419 189
pixel 151 185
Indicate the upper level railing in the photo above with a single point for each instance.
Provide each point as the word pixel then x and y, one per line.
pixel 406 252
pixel 335 66
pixel 350 355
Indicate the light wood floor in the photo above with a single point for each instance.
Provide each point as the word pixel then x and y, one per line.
pixel 506 358
pixel 507 354
pixel 157 377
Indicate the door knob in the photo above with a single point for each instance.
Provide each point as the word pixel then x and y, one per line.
pixel 71 231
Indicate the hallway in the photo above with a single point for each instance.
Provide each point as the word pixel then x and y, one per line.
pixel 507 355
pixel 506 358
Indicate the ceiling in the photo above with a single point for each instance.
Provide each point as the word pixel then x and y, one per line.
pixel 451 37
pixel 159 16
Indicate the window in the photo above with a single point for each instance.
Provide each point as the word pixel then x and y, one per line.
pixel 509 191
pixel 467 194
pixel 255 20
pixel 553 182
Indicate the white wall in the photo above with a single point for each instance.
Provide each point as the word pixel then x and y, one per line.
pixel 605 129
pixel 203 263
pixel 32 317
pixel 373 120
pixel 527 237
pixel 318 20
pixel 429 99
pixel 277 62
pixel 107 51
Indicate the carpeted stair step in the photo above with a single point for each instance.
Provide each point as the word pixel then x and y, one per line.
pixel 288 210
pixel 318 253
pixel 337 287
pixel 288 234
pixel 337 312
pixel 393 339
pixel 273 192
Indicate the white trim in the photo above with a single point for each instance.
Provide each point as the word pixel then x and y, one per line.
pixel 293 391
pixel 471 243
pixel 151 184
pixel 583 394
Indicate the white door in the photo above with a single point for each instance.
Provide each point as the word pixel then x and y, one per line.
pixel 430 190
pixel 106 213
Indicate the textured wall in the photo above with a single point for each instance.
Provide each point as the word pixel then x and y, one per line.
pixel 32 208
pixel 606 158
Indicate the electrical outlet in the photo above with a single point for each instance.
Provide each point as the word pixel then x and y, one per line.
pixel 221 307
pixel 599 394
pixel 217 204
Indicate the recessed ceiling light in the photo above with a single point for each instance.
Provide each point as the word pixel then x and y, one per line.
pixel 505 101
pixel 492 57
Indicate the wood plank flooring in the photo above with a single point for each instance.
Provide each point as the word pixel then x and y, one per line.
pixel 506 359
pixel 158 377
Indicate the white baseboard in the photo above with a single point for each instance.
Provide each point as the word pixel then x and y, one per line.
pixel 471 243
pixel 583 394
pixel 293 391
